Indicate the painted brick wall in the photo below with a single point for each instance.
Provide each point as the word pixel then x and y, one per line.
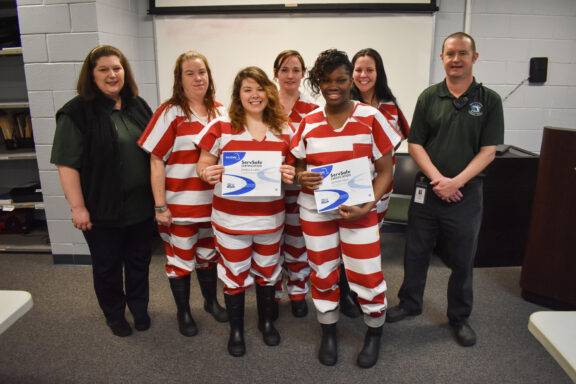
pixel 508 33
pixel 56 37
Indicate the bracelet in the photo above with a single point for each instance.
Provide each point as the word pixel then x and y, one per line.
pixel 161 209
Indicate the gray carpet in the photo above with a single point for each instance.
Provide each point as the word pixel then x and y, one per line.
pixel 64 338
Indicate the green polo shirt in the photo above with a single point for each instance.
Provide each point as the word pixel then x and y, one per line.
pixel 138 203
pixel 452 137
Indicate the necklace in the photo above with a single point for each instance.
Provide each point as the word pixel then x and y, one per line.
pixel 202 119
pixel 291 100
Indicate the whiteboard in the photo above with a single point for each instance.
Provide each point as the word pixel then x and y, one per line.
pixel 233 42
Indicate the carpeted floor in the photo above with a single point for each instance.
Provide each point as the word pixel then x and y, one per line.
pixel 64 338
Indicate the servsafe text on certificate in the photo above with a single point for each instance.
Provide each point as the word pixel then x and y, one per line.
pixel 347 182
pixel 251 173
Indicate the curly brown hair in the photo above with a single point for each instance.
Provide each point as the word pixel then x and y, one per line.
pixel 178 95
pixel 326 63
pixel 273 113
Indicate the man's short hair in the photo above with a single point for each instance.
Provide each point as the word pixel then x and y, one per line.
pixel 460 35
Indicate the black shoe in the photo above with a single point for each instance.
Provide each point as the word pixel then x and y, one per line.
pixel 464 334
pixel 120 327
pixel 142 322
pixel 299 308
pixel 398 313
pixel 328 353
pixel 371 350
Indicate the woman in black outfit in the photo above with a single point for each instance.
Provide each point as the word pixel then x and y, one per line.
pixel 105 177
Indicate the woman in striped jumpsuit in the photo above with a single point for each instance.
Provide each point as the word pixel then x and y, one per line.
pixel 183 201
pixel 371 87
pixel 343 130
pixel 248 229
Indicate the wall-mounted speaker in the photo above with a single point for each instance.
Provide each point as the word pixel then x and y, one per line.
pixel 538 69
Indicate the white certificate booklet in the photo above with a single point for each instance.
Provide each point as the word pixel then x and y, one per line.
pixel 251 173
pixel 347 182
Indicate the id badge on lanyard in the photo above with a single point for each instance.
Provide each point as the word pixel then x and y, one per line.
pixel 420 191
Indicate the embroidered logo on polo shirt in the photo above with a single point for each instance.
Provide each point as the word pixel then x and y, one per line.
pixel 476 109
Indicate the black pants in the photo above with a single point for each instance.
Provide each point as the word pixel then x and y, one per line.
pixel 457 225
pixel 118 250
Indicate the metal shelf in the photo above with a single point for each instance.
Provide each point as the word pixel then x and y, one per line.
pixel 10 51
pixel 14 105
pixel 17 154
pixel 36 241
pixel 36 205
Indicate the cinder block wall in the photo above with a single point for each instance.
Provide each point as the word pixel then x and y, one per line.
pixel 56 37
pixel 508 33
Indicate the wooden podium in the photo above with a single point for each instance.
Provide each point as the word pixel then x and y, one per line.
pixel 549 270
pixel 509 188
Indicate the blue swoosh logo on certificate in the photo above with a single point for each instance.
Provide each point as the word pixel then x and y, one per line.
pixel 353 184
pixel 263 176
pixel 250 185
pixel 230 158
pixel 325 171
pixel 342 197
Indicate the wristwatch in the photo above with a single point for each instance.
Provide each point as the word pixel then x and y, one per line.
pixel 161 209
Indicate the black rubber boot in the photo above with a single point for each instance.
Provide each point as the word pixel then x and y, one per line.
pixel 371 350
pixel 235 308
pixel 276 308
pixel 181 292
pixel 276 311
pixel 208 285
pixel 328 353
pixel 265 302
pixel 348 304
pixel 299 308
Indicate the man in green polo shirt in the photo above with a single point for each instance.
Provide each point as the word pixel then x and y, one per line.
pixel 454 132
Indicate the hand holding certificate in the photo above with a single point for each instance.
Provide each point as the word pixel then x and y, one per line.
pixel 344 183
pixel 251 173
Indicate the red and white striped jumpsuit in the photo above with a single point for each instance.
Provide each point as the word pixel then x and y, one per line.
pixel 248 230
pixel 295 258
pixel 189 241
pixel 330 240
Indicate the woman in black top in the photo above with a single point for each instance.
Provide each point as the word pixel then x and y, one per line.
pixel 105 177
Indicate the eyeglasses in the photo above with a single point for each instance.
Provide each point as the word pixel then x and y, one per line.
pixel 460 102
